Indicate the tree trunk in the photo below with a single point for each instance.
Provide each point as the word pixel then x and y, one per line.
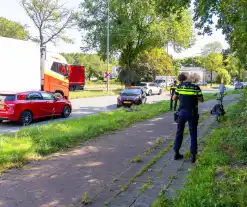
pixel 211 77
pixel 239 75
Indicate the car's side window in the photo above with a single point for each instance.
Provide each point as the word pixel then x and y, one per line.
pixel 34 96
pixel 47 96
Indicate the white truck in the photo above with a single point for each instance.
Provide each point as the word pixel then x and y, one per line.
pixel 24 68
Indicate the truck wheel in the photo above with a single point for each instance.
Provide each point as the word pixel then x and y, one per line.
pixel 66 111
pixel 26 118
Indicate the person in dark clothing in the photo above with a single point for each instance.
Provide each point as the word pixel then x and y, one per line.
pixel 172 92
pixel 188 94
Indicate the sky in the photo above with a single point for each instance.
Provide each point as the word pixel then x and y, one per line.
pixel 11 9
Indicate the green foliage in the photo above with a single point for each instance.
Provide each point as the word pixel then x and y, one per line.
pixel 135 26
pixel 214 47
pixel 196 61
pixel 214 62
pixel 135 74
pixel 157 61
pixel 12 29
pixel 219 179
pixel 223 75
pixel 51 18
pixel 232 20
pixel 94 65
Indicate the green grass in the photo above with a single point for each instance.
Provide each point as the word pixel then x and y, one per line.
pixel 93 93
pixel 220 177
pixel 137 159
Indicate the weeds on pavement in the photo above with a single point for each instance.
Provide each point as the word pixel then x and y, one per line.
pixel 137 159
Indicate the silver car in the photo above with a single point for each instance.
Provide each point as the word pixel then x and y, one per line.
pixel 151 88
pixel 239 86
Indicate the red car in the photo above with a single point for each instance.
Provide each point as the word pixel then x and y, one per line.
pixel 27 106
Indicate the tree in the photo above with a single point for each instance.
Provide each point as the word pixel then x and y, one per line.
pixel 12 29
pixel 94 66
pixel 157 61
pixel 214 62
pixel 148 65
pixel 135 26
pixel 232 20
pixel 224 76
pixel 232 65
pixel 50 18
pixel 135 74
pixel 197 61
pixel 176 66
pixel 214 47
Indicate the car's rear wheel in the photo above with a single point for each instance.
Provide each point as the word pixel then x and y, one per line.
pixel 150 92
pixel 26 118
pixel 66 111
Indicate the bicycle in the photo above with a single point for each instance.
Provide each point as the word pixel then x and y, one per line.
pixel 218 109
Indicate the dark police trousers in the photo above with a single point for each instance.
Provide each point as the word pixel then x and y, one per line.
pixel 175 103
pixel 185 116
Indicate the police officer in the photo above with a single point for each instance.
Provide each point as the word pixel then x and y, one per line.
pixel 188 94
pixel 172 92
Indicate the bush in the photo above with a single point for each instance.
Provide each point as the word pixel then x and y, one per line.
pixel 223 75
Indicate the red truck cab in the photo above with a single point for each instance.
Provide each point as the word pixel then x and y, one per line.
pixel 76 77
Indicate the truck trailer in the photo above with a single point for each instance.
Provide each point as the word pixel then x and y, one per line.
pixel 26 67
pixel 76 77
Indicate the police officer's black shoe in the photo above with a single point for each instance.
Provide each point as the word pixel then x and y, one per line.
pixel 178 156
pixel 193 158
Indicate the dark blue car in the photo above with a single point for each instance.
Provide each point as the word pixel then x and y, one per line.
pixel 131 96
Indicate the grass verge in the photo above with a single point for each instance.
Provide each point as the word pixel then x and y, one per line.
pixel 220 176
pixel 93 93
pixel 35 142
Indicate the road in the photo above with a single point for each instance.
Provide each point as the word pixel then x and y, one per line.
pixel 88 106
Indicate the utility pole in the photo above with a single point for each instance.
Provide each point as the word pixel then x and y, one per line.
pixel 204 69
pixel 166 63
pixel 107 46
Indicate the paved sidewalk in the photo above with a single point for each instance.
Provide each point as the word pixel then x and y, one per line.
pixel 61 179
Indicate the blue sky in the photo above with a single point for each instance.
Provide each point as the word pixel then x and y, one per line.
pixel 12 10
